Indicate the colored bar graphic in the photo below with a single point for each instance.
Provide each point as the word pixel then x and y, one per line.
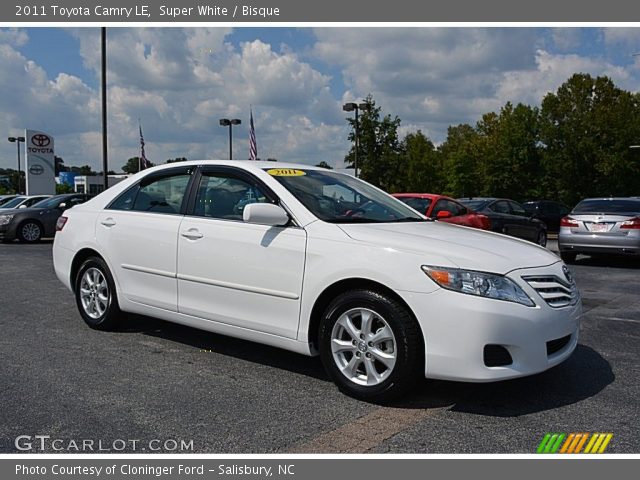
pixel 604 445
pixel 573 442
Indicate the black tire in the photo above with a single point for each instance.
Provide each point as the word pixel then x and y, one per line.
pixel 542 238
pixel 409 354
pixel 29 231
pixel 568 257
pixel 111 315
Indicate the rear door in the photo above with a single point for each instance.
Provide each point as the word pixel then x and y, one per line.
pixel 139 232
pixel 237 273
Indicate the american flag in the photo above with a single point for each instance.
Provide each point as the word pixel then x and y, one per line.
pixel 144 163
pixel 253 146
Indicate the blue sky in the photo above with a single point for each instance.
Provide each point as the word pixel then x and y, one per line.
pixel 181 81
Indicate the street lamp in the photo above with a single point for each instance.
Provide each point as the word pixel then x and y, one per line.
pixel 17 141
pixel 351 107
pixel 225 122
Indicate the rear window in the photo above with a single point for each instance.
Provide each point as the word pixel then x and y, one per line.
pixel 622 206
pixel 474 204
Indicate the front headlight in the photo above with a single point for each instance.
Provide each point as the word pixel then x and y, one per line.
pixel 5 219
pixel 481 284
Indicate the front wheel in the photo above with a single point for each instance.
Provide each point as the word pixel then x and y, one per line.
pixel 370 345
pixel 96 295
pixel 29 232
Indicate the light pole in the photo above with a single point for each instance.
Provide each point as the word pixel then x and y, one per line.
pixel 17 141
pixel 103 83
pixel 351 107
pixel 225 122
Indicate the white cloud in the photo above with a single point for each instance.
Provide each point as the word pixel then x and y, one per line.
pixel 180 82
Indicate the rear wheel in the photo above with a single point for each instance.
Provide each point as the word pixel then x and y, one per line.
pixel 568 257
pixel 29 232
pixel 370 345
pixel 96 295
pixel 542 238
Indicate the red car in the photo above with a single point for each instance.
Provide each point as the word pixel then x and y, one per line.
pixel 445 209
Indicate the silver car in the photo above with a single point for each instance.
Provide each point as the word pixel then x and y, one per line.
pixel 601 226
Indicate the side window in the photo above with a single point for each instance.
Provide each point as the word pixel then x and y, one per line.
pixel 501 207
pixel 126 199
pixel 225 196
pixel 76 201
pixel 419 204
pixel 162 194
pixel 517 209
pixel 448 206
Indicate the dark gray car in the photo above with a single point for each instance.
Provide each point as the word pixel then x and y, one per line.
pixel 31 224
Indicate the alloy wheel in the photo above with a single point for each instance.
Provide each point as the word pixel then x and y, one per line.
pixel 94 293
pixel 363 346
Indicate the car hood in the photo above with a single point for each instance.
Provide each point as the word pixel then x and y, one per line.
pixel 14 211
pixel 465 247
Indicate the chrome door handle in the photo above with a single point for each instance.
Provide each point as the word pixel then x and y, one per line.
pixel 192 234
pixel 108 222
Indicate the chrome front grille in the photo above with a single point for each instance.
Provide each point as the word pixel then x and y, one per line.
pixel 556 292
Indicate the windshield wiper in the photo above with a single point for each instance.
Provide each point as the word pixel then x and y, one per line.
pixel 412 219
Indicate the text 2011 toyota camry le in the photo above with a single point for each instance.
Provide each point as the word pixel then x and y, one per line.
pixel 318 262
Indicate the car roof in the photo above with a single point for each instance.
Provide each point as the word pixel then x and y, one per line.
pixel 418 195
pixel 247 164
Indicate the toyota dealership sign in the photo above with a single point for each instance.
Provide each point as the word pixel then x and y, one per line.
pixel 40 163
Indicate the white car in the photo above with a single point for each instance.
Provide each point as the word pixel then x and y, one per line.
pixel 285 255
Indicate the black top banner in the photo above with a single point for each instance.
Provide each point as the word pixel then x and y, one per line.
pixel 297 11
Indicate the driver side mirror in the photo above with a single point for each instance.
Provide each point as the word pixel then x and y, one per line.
pixel 62 206
pixel 265 214
pixel 443 214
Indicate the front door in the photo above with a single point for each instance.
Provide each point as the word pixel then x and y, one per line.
pixel 234 272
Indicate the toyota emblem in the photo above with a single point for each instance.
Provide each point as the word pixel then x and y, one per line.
pixel 36 169
pixel 40 140
pixel 567 274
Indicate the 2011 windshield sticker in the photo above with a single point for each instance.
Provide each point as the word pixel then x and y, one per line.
pixel 285 172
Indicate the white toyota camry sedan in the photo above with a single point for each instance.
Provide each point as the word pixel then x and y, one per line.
pixel 319 263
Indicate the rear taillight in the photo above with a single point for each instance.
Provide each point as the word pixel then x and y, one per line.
pixel 569 222
pixel 485 221
pixel 62 221
pixel 633 224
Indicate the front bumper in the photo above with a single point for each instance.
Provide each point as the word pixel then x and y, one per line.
pixel 8 232
pixel 457 327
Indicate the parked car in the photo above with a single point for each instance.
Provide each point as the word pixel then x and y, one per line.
pixel 282 255
pixel 6 198
pixel 548 211
pixel 24 201
pixel 443 208
pixel 601 226
pixel 29 225
pixel 509 217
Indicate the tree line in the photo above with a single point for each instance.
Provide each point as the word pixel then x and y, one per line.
pixel 575 145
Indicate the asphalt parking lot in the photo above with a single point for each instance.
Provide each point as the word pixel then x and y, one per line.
pixel 156 381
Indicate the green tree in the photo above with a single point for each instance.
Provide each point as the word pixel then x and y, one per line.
pixel 423 164
pixel 133 165
pixel 177 159
pixel 509 162
pixel 586 128
pixel 379 153
pixel 324 164
pixel 63 188
pixel 461 153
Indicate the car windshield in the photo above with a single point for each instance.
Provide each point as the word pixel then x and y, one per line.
pixel 621 206
pixel 474 204
pixel 14 203
pixel 340 198
pixel 48 203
